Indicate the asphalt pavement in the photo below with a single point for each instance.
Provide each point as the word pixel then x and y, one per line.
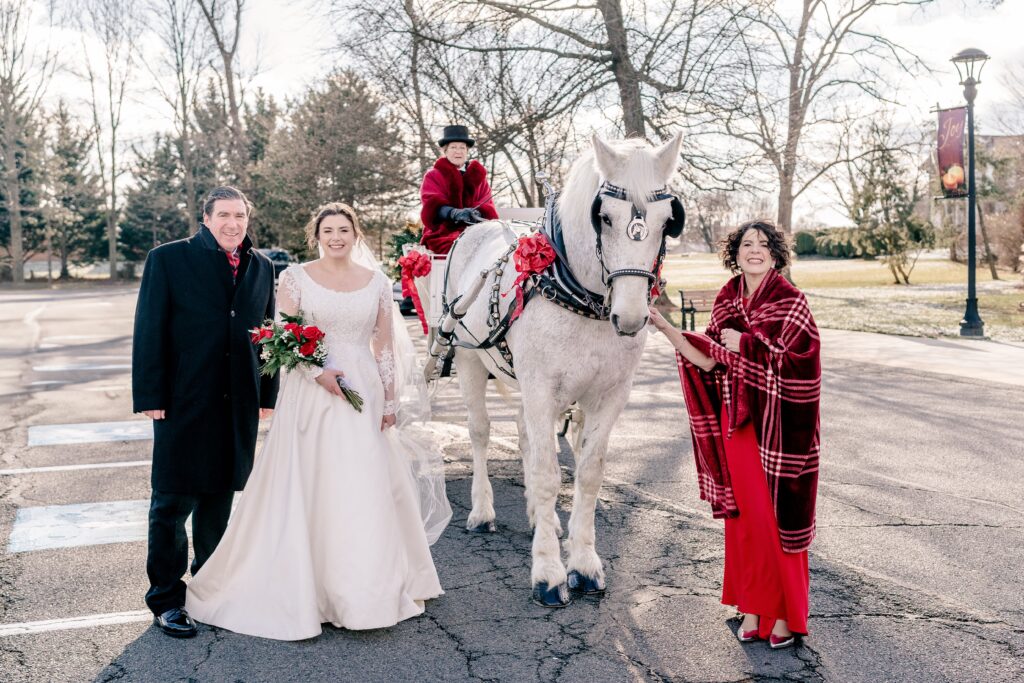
pixel 915 574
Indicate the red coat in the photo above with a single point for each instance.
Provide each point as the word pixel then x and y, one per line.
pixel 445 185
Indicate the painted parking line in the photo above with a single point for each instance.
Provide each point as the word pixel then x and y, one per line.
pixel 90 432
pixel 89 621
pixel 73 468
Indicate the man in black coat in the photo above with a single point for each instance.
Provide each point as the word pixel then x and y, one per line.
pixel 195 372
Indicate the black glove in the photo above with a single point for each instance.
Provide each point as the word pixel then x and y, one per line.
pixel 462 216
pixel 475 217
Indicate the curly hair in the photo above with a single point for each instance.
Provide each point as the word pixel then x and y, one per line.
pixel 778 245
pixel 330 209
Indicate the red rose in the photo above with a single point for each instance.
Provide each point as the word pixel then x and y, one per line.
pixel 312 333
pixel 308 349
pixel 294 328
pixel 267 332
pixel 256 334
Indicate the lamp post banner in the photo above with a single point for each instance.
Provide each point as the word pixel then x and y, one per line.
pixel 953 177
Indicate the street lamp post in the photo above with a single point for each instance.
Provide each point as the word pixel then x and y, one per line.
pixel 967 61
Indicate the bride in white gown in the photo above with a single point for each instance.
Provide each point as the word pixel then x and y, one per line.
pixel 331 524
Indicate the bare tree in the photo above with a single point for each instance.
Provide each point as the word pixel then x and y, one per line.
pixel 384 40
pixel 180 27
pixel 798 71
pixel 520 104
pixel 115 26
pixel 646 50
pixel 25 74
pixel 224 21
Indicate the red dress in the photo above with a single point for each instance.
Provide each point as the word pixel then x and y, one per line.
pixel 759 577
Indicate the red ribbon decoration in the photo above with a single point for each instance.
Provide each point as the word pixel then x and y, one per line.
pixel 655 286
pixel 533 256
pixel 414 264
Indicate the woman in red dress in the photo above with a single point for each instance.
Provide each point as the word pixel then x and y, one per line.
pixel 752 384
pixel 454 192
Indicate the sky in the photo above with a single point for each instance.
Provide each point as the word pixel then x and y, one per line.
pixel 288 48
pixel 938 32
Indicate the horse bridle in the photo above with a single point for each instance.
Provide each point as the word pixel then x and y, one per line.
pixel 636 230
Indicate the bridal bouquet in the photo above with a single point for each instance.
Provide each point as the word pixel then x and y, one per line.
pixel 292 344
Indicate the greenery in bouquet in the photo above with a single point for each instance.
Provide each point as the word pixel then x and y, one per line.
pixel 289 344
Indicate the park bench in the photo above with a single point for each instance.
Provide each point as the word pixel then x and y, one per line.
pixel 693 302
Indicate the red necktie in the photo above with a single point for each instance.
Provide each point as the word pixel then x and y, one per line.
pixel 233 261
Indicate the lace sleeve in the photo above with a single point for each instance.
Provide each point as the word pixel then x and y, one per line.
pixel 289 299
pixel 383 347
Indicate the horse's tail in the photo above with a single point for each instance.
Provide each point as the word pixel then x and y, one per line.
pixel 503 392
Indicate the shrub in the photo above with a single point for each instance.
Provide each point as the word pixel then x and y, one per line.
pixel 804 244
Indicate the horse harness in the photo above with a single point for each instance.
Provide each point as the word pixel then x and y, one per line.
pixel 557 283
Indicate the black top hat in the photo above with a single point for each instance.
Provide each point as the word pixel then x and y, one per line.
pixel 455 134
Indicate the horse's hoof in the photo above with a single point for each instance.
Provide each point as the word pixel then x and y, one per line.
pixel 488 527
pixel 545 596
pixel 584 585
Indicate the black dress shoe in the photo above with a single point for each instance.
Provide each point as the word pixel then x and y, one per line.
pixel 177 623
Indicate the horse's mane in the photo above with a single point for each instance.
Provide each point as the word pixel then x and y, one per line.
pixel 638 175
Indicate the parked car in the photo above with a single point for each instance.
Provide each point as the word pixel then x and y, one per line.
pixel 405 304
pixel 279 257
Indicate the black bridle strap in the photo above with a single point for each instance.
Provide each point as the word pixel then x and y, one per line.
pixel 615 192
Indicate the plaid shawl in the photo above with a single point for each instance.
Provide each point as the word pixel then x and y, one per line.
pixel 775 381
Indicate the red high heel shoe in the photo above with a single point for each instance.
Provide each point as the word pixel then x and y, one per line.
pixel 746 636
pixel 781 642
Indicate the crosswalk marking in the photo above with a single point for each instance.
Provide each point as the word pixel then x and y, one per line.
pixel 72 468
pixel 69 526
pixel 80 524
pixel 70 367
pixel 90 432
pixel 89 621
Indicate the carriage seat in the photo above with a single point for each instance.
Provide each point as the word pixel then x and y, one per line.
pixel 527 214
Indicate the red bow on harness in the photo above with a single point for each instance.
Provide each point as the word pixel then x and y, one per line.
pixel 414 264
pixel 533 256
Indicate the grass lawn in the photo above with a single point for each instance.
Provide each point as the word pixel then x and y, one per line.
pixel 853 294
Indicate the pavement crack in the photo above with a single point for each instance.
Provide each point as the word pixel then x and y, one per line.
pixel 218 638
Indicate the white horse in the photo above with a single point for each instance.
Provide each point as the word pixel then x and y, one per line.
pixel 615 211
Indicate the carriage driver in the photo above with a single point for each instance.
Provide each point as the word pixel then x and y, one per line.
pixel 454 193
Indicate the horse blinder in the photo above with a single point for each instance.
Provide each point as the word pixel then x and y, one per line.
pixel 674 226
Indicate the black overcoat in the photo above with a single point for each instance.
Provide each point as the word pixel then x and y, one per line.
pixel 192 356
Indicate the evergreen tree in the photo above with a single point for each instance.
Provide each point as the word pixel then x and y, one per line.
pixel 76 210
pixel 881 204
pixel 31 175
pixel 155 208
pixel 339 145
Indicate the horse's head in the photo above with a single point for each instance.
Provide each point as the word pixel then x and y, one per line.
pixel 632 212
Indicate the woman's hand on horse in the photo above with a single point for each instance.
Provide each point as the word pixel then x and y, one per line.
pixel 731 340
pixel 658 320
pixel 328 379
